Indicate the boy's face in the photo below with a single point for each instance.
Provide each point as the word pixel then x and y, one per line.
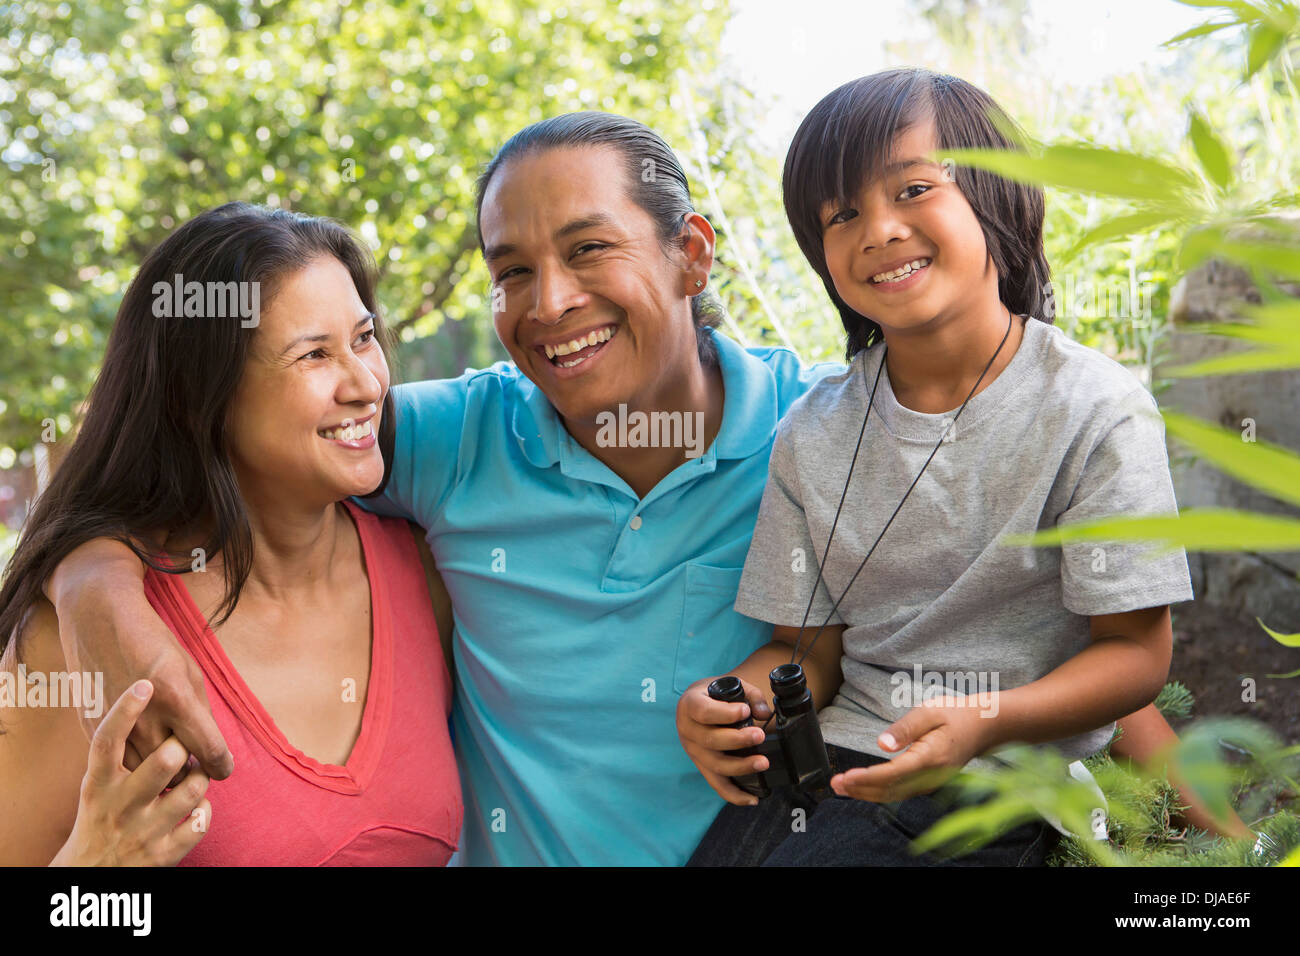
pixel 914 215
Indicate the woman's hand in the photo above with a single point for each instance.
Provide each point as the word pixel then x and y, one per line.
pixel 699 717
pixel 943 734
pixel 124 818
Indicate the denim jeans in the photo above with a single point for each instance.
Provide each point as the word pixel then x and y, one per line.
pixel 841 831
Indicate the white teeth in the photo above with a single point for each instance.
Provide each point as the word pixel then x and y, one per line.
pixel 350 433
pixel 901 272
pixel 576 345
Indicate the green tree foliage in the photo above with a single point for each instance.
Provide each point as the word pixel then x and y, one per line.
pixel 119 122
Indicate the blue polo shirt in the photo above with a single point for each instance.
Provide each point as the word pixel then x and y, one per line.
pixel 582 612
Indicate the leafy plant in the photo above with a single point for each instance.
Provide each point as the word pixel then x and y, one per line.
pixel 1214 219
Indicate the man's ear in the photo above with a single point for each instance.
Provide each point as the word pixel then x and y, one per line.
pixel 696 246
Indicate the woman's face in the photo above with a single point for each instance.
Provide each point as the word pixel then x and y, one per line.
pixel 576 264
pixel 313 370
pixel 915 212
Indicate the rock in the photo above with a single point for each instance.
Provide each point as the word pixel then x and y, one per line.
pixel 1242 584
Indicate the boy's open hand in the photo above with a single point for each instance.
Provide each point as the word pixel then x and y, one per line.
pixel 942 735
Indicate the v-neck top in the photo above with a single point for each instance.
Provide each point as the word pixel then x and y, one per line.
pixel 396 801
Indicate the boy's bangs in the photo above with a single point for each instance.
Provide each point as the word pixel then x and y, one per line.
pixel 844 143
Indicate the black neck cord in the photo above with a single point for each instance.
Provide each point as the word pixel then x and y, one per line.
pixel 822 564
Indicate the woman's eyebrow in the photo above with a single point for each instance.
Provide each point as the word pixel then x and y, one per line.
pixel 324 336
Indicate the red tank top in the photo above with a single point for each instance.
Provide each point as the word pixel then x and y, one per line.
pixel 397 800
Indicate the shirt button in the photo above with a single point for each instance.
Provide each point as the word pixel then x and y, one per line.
pixel 635 523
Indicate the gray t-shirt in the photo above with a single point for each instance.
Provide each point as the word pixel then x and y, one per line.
pixel 1063 435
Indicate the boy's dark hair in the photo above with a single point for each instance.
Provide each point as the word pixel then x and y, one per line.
pixel 845 141
pixel 665 194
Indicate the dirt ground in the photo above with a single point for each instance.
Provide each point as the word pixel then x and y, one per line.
pixel 1214 653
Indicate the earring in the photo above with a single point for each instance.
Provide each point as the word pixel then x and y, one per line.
pixel 698 283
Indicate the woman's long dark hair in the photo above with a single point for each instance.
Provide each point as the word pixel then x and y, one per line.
pixel 845 141
pixel 150 456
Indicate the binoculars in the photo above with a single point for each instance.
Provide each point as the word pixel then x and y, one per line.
pixel 795 751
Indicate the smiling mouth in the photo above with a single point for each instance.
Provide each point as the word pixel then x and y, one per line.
pixel 901 273
pixel 349 433
pixel 574 353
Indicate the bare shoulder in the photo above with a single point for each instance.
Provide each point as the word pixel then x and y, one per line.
pixel 43 750
pixel 36 645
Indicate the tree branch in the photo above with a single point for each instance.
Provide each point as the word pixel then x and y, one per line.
pixel 445 284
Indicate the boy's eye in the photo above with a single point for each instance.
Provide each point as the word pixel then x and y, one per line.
pixel 844 215
pixel 921 186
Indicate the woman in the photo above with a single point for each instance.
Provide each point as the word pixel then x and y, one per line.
pixel 241 434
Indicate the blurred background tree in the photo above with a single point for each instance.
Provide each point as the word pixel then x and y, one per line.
pixel 120 122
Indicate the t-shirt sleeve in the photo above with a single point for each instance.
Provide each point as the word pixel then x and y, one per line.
pixel 430 420
pixel 1126 473
pixel 781 566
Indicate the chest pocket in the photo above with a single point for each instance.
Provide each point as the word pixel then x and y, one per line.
pixel 713 638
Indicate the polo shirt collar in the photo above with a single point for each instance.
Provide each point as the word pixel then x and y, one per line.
pixel 749 411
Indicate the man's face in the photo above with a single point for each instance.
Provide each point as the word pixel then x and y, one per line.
pixel 585 299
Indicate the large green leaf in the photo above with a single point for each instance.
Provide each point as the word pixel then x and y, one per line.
pixel 1270 468
pixel 1280 257
pixel 1196 529
pixel 1271 323
pixel 1265 41
pixel 1210 151
pixel 1120 227
pixel 1198 31
pixel 1237 363
pixel 1240 7
pixel 1090 169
